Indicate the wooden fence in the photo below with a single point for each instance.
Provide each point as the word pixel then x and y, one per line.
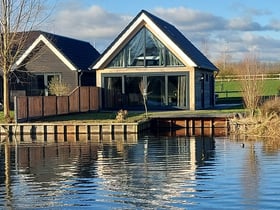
pixel 82 99
pixel 248 77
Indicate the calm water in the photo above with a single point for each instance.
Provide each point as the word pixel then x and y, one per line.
pixel 144 173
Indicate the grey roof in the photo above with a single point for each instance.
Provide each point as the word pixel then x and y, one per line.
pixel 80 53
pixel 177 37
pixel 182 42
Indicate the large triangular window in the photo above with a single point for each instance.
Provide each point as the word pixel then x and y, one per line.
pixel 144 50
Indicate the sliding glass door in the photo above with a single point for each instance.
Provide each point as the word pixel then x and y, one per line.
pixel 156 91
pixel 164 91
pixel 177 91
pixel 112 93
pixel 132 91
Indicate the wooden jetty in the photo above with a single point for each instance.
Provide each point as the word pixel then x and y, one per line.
pixel 191 125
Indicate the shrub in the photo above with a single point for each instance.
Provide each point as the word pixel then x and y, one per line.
pixel 58 88
pixel 271 106
pixel 121 115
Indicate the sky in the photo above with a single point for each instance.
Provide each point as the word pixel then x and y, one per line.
pixel 219 28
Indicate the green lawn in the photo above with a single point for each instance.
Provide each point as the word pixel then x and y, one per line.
pixel 232 89
pixel 94 117
pixel 2 119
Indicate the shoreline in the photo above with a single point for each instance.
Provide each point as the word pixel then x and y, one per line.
pixel 180 124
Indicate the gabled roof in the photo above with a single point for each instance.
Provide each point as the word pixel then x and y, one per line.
pixel 165 31
pixel 76 54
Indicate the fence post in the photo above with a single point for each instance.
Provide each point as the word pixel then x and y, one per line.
pixel 79 89
pixel 42 106
pixel 15 108
pixel 88 89
pixel 56 105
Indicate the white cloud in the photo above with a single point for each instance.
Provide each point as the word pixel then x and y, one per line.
pixel 244 24
pixel 191 20
pixel 274 24
pixel 241 34
pixel 93 24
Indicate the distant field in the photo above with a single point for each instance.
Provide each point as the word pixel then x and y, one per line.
pixel 230 89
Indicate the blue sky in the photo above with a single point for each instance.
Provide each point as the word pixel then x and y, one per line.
pixel 216 27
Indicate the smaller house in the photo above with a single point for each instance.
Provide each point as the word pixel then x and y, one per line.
pixel 155 54
pixel 46 56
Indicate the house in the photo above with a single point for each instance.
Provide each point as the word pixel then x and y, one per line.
pixel 46 56
pixel 152 52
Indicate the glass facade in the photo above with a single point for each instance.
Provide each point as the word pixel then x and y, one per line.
pixel 132 91
pixel 112 92
pixel 156 91
pixel 144 50
pixel 164 91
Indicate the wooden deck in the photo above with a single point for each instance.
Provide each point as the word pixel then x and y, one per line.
pixel 186 123
pixel 191 125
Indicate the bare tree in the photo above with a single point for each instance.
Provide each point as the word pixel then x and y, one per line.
pixel 143 87
pixel 17 18
pixel 224 63
pixel 252 87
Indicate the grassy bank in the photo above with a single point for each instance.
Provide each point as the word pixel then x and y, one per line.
pixel 133 116
pixel 90 117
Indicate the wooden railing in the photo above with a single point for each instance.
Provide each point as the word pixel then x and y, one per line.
pixel 82 99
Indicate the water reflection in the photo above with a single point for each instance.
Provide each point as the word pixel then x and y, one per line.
pixel 155 170
pixel 255 169
pixel 270 146
pixel 250 176
pixel 142 172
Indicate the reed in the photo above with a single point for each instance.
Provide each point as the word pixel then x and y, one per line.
pixel 265 124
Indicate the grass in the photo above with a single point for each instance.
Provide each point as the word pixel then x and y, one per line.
pixel 93 117
pixel 232 89
pixel 133 116
pixel 85 117
pixel 2 118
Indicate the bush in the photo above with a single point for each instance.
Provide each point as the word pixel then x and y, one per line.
pixel 58 88
pixel 271 106
pixel 121 115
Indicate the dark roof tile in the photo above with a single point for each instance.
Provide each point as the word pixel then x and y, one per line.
pixel 80 53
pixel 182 42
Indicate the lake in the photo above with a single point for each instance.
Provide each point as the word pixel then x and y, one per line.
pixel 140 172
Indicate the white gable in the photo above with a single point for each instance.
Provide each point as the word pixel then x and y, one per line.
pixel 143 19
pixel 51 47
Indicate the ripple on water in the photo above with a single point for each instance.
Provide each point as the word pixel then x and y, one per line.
pixel 155 173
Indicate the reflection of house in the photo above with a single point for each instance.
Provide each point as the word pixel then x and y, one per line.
pixel 178 75
pixel 48 55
